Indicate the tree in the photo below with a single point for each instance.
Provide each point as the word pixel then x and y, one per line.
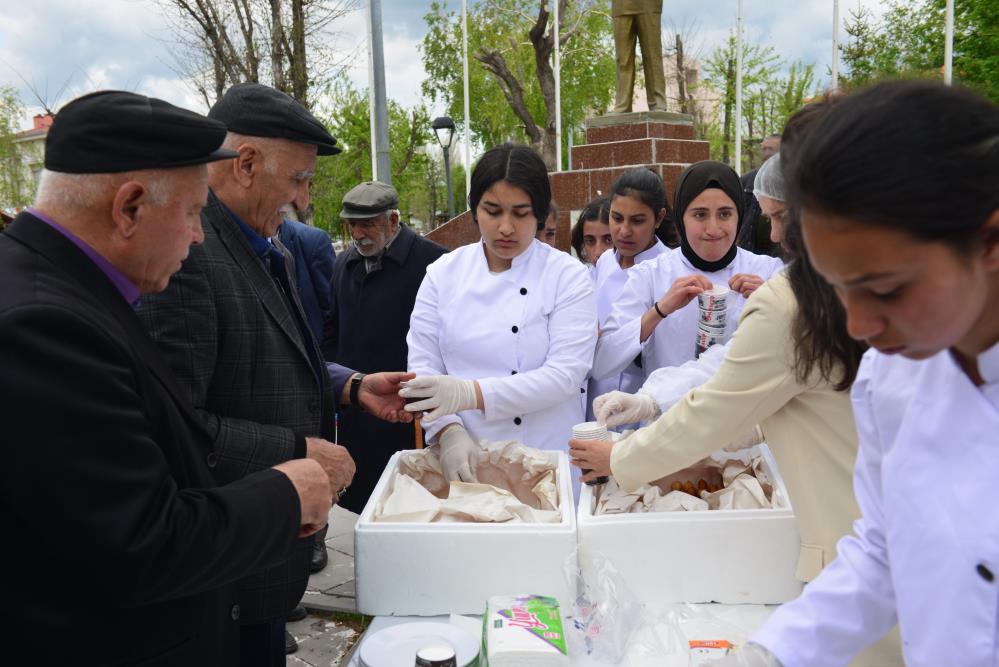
pixel 349 122
pixel 511 78
pixel 759 67
pixel 908 41
pixel 280 42
pixel 17 184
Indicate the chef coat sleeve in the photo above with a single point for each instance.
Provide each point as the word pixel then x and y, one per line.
pixel 572 334
pixel 851 604
pixel 755 380
pixel 619 342
pixel 423 341
pixel 670 384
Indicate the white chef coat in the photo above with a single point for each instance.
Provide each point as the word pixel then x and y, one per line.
pixel 526 334
pixel 610 280
pixel 674 340
pixel 927 546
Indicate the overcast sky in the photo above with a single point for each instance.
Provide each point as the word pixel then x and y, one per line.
pixel 65 48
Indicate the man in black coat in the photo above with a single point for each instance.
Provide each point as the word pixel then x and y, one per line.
pixel 371 298
pixel 119 548
pixel 233 330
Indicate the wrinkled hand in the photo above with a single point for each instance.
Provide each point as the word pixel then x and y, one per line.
pixel 750 655
pixel 682 292
pixel 745 283
pixel 592 456
pixel 442 395
pixel 335 460
pixel 314 493
pixel 379 395
pixel 459 454
pixel 617 407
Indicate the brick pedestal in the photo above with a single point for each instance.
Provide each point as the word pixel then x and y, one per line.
pixel 657 140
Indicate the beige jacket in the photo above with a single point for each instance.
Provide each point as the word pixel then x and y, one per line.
pixel 809 427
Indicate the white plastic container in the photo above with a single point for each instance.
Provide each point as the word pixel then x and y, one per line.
pixel 429 569
pixel 727 556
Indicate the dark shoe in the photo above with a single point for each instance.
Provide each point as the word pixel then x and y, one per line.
pixel 290 645
pixel 296 614
pixel 319 557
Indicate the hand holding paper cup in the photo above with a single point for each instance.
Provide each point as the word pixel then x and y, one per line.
pixel 590 451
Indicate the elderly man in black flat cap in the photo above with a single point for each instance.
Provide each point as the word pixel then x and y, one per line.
pixel 371 298
pixel 232 328
pixel 102 448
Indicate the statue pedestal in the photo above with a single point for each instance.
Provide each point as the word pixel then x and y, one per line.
pixel 657 140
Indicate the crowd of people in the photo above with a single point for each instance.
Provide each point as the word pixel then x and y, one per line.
pixel 191 379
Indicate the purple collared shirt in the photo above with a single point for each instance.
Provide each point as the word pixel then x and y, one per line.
pixel 128 290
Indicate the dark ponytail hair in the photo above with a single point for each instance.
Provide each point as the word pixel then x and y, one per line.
pixel 818 328
pixel 518 165
pixel 916 156
pixel 647 187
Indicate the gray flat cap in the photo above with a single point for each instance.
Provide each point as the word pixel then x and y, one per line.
pixel 368 200
pixel 257 110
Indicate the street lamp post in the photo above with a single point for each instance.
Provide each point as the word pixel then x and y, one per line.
pixel 444 129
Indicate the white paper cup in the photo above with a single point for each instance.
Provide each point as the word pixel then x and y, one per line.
pixel 590 431
pixel 714 298
pixel 715 317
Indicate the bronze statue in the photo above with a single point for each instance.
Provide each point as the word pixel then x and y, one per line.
pixel 639 19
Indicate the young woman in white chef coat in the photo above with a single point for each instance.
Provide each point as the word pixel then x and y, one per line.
pixel 656 312
pixel 638 211
pixel 503 330
pixel 899 191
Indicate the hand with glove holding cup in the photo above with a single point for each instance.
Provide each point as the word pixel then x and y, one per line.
pixel 611 409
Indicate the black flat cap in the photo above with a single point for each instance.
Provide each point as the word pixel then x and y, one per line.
pixel 368 200
pixel 112 131
pixel 257 110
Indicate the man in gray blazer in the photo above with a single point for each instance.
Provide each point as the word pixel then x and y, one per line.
pixel 232 328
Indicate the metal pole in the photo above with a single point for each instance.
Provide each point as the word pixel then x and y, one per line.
pixel 835 46
pixel 558 94
pixel 468 131
pixel 738 92
pixel 372 149
pixel 447 177
pixel 949 44
pixel 383 161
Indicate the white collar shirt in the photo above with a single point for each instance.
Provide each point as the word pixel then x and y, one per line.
pixel 926 550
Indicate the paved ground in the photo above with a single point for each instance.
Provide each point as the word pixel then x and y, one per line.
pixel 331 629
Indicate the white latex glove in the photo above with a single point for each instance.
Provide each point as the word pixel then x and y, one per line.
pixel 750 655
pixel 442 394
pixel 617 407
pixel 459 454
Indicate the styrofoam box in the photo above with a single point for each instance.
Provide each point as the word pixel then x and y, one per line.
pixel 727 556
pixel 428 569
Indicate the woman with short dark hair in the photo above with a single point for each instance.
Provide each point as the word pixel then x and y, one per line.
pixel 503 330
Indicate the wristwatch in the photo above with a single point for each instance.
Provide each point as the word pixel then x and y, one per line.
pixel 355 387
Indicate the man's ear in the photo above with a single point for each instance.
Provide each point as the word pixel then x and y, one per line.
pixel 393 220
pixel 125 206
pixel 990 241
pixel 249 163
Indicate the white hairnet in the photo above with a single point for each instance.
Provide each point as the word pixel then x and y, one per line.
pixel 770 180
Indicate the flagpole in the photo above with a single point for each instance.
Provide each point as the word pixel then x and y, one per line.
pixel 468 141
pixel 835 46
pixel 949 44
pixel 738 91
pixel 558 94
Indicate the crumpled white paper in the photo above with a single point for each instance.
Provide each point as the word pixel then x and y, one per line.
pixel 516 484
pixel 734 480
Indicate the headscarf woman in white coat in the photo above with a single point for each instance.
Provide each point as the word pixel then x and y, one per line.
pixel 503 330
pixel 898 188
pixel 655 315
pixel 638 217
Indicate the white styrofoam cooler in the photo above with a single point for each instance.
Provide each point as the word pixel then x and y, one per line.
pixel 428 569
pixel 727 556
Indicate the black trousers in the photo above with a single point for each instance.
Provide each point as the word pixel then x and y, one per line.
pixel 262 644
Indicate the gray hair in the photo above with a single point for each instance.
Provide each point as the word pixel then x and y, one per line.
pixel 74 192
pixel 270 146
